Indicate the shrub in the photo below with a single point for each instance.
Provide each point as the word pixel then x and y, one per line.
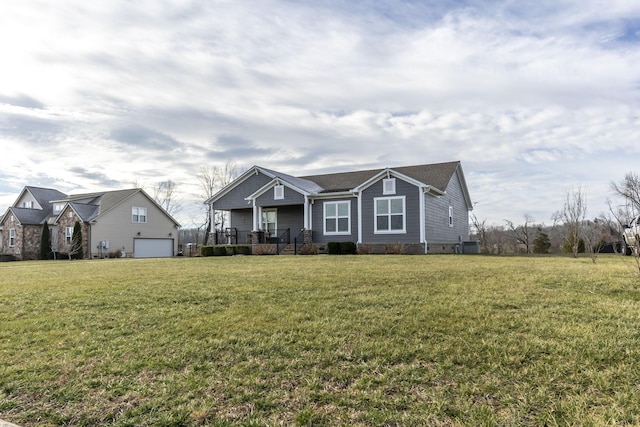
pixel 115 254
pixel 348 248
pixel 333 248
pixel 243 250
pixel 341 248
pixel 206 250
pixel 220 251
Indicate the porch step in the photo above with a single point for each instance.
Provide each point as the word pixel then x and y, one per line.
pixel 288 250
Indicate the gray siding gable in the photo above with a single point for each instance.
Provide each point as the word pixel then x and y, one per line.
pixel 235 197
pixel 411 194
pixel 437 227
pixel 291 197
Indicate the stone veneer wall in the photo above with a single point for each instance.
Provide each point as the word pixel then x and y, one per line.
pixel 70 221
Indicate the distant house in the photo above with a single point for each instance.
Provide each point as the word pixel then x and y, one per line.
pixel 425 208
pixel 128 222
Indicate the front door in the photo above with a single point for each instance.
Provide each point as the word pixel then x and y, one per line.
pixel 270 221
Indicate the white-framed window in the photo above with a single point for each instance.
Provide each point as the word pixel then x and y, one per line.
pixel 28 205
pixel 389 186
pixel 270 220
pixel 138 214
pixel 337 217
pixel 57 207
pixel 278 192
pixel 68 235
pixel 450 216
pixel 12 237
pixel 390 215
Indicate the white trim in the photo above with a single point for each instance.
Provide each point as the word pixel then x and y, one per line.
pixel 368 183
pixel 423 217
pixel 138 210
pixel 305 210
pixel 359 198
pixel 404 215
pixel 278 192
pixel 262 223
pixel 389 186
pixel 337 218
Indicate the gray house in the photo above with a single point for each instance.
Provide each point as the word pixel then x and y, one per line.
pixel 423 208
pixel 128 222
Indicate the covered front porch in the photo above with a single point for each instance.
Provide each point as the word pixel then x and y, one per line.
pixel 277 225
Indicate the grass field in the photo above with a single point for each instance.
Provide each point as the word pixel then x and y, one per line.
pixel 321 340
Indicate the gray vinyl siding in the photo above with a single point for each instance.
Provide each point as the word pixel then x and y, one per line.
pixel 437 215
pixel 291 217
pixel 412 213
pixel 242 219
pixel 291 197
pixel 318 222
pixel 235 198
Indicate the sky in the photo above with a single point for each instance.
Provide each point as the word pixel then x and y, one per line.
pixel 535 98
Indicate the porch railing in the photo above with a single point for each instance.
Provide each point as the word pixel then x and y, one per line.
pixel 235 236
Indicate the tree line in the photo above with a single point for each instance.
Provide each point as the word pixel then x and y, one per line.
pixel 570 231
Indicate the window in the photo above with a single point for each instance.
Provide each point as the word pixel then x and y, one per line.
pixel 270 220
pixel 68 235
pixel 389 186
pixel 278 192
pixel 138 214
pixel 337 217
pixel 57 207
pixel 28 205
pixel 12 237
pixel 450 216
pixel 390 215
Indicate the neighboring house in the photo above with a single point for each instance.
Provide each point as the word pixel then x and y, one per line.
pixel 424 208
pixel 128 221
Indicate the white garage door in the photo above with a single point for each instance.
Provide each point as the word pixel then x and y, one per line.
pixel 152 248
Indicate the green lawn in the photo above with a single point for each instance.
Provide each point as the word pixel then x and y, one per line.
pixel 321 340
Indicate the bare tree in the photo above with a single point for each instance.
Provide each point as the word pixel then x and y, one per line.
pixel 594 237
pixel 212 179
pixel 572 215
pixel 521 233
pixel 164 193
pixel 480 230
pixel 629 190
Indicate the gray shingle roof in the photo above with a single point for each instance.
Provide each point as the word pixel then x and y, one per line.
pixel 30 216
pixel 436 175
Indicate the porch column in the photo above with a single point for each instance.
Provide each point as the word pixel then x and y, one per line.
pixel 256 217
pixel 212 219
pixel 306 213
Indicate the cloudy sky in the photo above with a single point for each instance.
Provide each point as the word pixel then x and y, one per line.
pixel 534 97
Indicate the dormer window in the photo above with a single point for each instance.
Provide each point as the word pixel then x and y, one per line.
pixel 278 192
pixel 57 207
pixel 27 205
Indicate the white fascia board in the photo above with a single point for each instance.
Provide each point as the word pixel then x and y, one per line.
pixel 465 189
pixel 233 184
pixel 387 172
pixel 273 183
pixel 336 195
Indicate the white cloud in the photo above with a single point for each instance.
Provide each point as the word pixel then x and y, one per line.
pixel 531 97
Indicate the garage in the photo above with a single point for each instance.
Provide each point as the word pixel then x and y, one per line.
pixel 152 248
